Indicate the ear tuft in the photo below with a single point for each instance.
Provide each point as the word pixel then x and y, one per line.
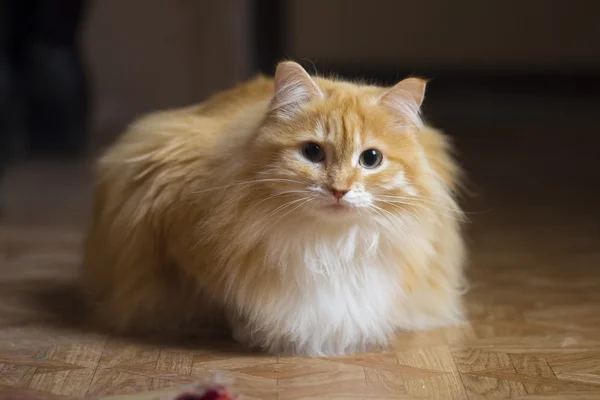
pixel 405 98
pixel 293 87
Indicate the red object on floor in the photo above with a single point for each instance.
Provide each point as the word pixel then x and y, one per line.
pixel 211 393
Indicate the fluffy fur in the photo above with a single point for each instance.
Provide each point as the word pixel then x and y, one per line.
pixel 216 204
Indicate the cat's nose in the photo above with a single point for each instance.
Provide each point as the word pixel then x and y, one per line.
pixel 338 194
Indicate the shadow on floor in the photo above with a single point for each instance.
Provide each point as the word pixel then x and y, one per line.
pixel 59 305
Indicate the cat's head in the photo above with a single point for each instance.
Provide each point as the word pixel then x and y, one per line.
pixel 333 148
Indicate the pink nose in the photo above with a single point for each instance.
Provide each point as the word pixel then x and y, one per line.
pixel 338 194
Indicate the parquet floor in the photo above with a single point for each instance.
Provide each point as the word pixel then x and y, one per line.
pixel 533 332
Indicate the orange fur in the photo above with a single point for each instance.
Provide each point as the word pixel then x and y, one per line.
pixel 215 205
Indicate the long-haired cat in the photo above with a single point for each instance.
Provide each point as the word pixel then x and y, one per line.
pixel 318 215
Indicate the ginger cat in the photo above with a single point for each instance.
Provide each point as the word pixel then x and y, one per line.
pixel 318 216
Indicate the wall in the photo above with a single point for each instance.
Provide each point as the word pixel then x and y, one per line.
pixel 144 55
pixel 474 34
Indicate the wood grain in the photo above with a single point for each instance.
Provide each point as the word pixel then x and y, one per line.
pixel 533 329
pixel 485 387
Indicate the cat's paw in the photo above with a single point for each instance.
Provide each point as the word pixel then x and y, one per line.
pixel 240 334
pixel 256 340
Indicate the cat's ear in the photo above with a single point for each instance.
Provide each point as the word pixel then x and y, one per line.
pixel 293 87
pixel 406 98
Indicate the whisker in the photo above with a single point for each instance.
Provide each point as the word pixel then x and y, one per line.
pixel 420 198
pixel 286 193
pixel 453 213
pixel 282 207
pixel 412 214
pixel 412 199
pixel 457 217
pixel 308 200
pixel 379 211
pixel 247 183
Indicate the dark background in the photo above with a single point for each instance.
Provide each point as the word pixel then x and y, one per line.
pixel 514 82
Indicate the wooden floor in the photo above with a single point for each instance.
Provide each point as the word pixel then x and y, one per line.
pixel 533 332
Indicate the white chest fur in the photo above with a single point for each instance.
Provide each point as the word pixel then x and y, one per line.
pixel 338 291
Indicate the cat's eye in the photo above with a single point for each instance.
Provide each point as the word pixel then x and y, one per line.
pixel 371 158
pixel 313 152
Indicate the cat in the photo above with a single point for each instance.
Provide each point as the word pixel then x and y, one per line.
pixel 318 216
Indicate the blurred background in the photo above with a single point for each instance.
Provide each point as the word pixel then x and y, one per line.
pixel 515 83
